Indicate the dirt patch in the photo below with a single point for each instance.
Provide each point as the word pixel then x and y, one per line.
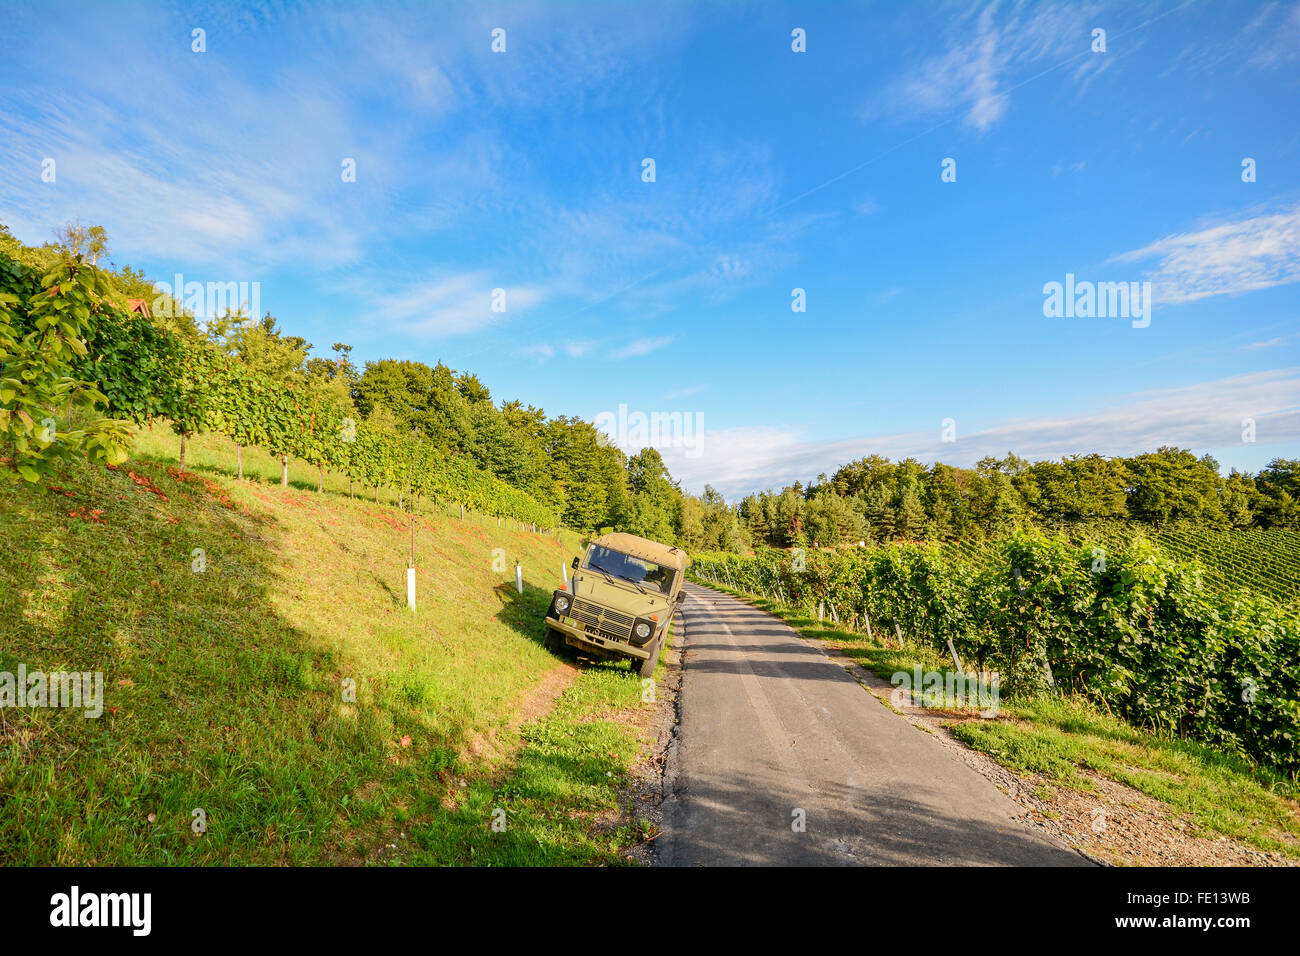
pixel 487 746
pixel 1123 826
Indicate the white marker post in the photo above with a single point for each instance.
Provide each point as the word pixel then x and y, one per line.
pixel 519 578
pixel 564 572
pixel 410 569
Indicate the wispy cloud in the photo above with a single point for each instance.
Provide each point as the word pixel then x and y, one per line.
pixel 542 352
pixel 451 305
pixel 986 51
pixel 686 392
pixel 641 347
pixel 1207 415
pixel 1274 35
pixel 1269 343
pixel 867 206
pixel 1225 259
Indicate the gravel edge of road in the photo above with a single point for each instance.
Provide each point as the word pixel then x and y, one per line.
pixel 655 773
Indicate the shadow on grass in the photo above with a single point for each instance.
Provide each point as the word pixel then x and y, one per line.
pixel 213 700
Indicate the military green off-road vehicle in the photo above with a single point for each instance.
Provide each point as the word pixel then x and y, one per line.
pixel 619 601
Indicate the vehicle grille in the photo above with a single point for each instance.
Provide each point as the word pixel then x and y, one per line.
pixel 611 624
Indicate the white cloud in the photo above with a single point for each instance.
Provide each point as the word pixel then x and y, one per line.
pixel 450 305
pixel 985 51
pixel 1226 259
pixel 542 352
pixel 1204 416
pixel 1268 343
pixel 867 206
pixel 686 392
pixel 1063 167
pixel 641 347
pixel 1274 36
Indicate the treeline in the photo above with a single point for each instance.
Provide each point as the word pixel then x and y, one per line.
pixel 874 499
pixel 1131 629
pixel 419 429
pixel 66 347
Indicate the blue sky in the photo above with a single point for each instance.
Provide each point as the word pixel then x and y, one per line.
pixel 774 170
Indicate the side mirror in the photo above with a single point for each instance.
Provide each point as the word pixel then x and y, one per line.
pixel 575 562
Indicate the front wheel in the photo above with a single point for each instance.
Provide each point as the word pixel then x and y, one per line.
pixel 646 668
pixel 554 641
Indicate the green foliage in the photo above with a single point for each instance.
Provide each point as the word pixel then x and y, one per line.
pixel 398 424
pixel 42 347
pixel 874 499
pixel 1129 628
pixel 64 346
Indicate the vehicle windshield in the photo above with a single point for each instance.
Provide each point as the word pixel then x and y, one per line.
pixel 649 575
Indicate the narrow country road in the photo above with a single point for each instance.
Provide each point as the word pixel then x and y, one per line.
pixel 770 727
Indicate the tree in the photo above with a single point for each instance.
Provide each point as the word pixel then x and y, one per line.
pixel 879 512
pixel 910 513
pixel 653 499
pixel 83 243
pixel 36 372
pixel 1172 484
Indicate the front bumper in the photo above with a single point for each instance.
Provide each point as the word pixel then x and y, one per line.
pixel 577 635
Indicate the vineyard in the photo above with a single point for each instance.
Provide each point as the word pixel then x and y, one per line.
pixel 67 350
pixel 1136 632
pixel 1266 561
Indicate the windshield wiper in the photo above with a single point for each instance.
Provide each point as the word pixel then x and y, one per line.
pixel 610 576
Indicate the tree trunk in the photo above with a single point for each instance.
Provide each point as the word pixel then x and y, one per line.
pixel 349 488
pixel 182 465
pixel 320 479
pixel 239 454
pixel 284 471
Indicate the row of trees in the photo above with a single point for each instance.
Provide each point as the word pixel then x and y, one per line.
pixel 402 424
pixel 875 499
pixel 70 353
pixel 1127 627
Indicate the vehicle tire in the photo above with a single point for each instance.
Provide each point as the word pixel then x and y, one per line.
pixel 555 641
pixel 646 667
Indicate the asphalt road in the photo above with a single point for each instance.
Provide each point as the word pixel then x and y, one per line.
pixel 772 731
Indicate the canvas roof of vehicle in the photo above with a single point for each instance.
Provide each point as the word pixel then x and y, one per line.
pixel 645 549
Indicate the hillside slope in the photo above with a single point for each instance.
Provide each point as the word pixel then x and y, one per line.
pixel 224 680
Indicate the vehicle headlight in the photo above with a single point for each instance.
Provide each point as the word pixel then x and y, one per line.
pixel 642 630
pixel 561 603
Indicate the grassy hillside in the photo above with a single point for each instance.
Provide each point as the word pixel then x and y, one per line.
pixel 224 687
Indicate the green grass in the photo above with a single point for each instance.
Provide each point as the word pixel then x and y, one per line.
pixel 1220 794
pixel 1058 738
pixel 224 689
pixel 558 805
